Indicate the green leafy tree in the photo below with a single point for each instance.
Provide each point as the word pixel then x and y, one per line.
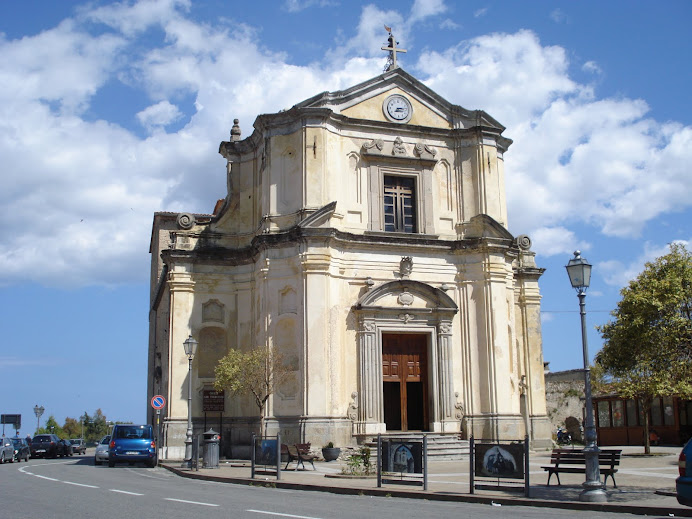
pixel 647 351
pixel 94 427
pixel 51 427
pixel 97 426
pixel 257 372
pixel 72 428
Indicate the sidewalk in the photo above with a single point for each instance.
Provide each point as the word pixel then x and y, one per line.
pixel 646 484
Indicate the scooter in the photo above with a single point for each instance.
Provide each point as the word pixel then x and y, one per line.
pixel 563 437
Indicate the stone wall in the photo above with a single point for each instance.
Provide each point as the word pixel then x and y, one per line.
pixel 564 395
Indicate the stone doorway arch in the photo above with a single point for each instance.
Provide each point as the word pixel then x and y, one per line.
pixel 405 307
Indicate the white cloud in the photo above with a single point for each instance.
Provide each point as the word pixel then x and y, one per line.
pixel 498 73
pixel 592 68
pixel 479 13
pixel 558 16
pixel 422 9
pixel 295 6
pixel 62 67
pixel 161 114
pixel 601 162
pixel 83 191
pixel 132 19
pixel 556 240
pixel 619 274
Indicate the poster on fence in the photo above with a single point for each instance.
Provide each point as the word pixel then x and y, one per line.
pixel 266 451
pixel 499 461
pixel 402 456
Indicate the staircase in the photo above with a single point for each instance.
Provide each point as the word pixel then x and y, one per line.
pixel 441 446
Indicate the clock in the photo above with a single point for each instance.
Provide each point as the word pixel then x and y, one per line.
pixel 397 108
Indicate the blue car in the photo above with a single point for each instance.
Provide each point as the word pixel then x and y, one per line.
pixel 683 485
pixel 131 444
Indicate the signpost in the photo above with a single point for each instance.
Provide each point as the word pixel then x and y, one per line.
pixel 12 419
pixel 158 402
pixel 213 402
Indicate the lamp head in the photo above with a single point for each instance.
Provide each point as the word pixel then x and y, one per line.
pixel 579 272
pixel 190 346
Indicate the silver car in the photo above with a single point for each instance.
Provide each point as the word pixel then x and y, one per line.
pixel 101 453
pixel 6 450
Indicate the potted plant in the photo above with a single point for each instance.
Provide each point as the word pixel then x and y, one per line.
pixel 330 453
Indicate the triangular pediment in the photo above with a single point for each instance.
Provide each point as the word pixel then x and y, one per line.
pixel 368 100
pixel 483 226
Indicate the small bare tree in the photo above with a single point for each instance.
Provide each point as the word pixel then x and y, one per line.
pixel 257 372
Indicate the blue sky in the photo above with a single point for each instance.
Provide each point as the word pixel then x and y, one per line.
pixel 112 111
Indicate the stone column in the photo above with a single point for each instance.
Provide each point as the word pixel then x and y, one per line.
pixel 445 380
pixel 370 412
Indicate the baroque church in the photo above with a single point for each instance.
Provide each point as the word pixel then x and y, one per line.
pixel 364 236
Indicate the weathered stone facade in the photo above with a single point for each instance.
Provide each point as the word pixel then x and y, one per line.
pixel 564 395
pixel 364 235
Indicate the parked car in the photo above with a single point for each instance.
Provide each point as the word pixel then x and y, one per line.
pixel 132 443
pixel 66 448
pixel 683 485
pixel 78 446
pixel 6 450
pixel 21 449
pixel 46 446
pixel 101 454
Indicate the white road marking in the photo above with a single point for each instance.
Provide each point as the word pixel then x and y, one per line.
pixel 282 515
pixel 189 502
pixel 79 484
pixel 46 477
pixel 125 492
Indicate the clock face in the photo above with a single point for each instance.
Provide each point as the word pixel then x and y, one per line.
pixel 398 108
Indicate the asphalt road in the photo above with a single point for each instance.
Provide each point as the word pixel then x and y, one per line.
pixel 73 488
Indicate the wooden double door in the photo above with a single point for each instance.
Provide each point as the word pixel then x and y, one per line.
pixel 405 382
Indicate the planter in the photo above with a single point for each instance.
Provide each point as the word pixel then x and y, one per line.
pixel 330 454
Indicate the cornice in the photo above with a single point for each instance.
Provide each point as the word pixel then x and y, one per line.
pixel 398 243
pixel 291 121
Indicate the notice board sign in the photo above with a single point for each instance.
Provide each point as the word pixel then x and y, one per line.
pixel 213 401
pixel 402 456
pixel 12 419
pixel 499 461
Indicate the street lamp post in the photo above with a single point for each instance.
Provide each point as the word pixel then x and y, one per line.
pixel 579 272
pixel 84 422
pixel 190 346
pixel 38 411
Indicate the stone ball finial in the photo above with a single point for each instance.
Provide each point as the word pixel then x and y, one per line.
pixel 235 131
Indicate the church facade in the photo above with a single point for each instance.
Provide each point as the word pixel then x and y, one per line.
pixel 364 236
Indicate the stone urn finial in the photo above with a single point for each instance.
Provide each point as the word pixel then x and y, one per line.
pixel 235 131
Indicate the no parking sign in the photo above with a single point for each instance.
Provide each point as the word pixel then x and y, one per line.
pixel 158 402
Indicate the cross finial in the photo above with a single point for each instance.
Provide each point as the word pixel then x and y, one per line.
pixel 392 48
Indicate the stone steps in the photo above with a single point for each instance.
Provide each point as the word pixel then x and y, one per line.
pixel 441 447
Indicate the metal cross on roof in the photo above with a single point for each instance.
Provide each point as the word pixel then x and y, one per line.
pixel 392 48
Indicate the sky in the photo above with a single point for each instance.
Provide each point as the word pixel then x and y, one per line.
pixel 111 111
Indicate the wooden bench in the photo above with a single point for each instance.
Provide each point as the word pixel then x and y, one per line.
pixel 298 453
pixel 572 461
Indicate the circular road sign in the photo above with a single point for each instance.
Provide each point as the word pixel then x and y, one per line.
pixel 158 402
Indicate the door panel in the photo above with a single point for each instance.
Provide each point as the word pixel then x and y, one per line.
pixel 392 405
pixel 414 406
pixel 404 373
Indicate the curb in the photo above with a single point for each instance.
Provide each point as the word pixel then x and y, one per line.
pixel 431 496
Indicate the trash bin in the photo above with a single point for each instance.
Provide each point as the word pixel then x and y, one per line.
pixel 211 450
